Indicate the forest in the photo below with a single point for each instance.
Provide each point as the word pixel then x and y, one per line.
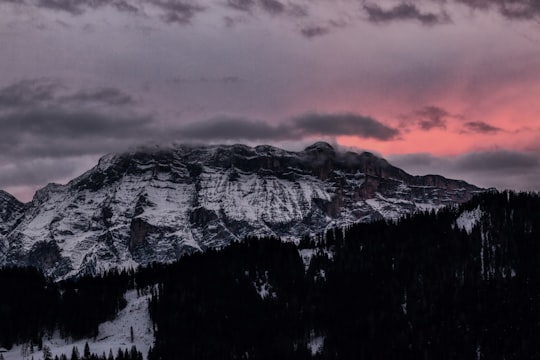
pixel 418 288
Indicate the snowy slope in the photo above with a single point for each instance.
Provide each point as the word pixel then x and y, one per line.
pixel 158 204
pixel 112 334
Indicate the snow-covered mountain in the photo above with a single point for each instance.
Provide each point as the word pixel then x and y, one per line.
pixel 11 210
pixel 157 204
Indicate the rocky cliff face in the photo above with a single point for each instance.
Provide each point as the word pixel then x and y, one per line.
pixel 158 204
pixel 10 212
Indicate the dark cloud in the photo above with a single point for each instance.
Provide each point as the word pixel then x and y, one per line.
pixel 124 6
pixel 108 96
pixel 73 7
pixel 177 11
pixel 28 92
pixel 183 11
pixel 510 9
pixel 314 31
pixel 404 11
pixel 480 127
pixel 241 5
pixel 31 93
pixel 41 117
pixel 78 7
pixel 427 118
pixel 59 132
pixel 343 124
pixel 297 11
pixel 174 11
pixel 307 126
pixel 272 6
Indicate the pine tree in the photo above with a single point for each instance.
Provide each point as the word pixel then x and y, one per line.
pixel 120 354
pixel 75 353
pixel 47 355
pixel 86 352
pixel 131 334
pixel 133 353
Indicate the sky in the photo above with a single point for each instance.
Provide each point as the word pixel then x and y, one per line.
pixel 450 87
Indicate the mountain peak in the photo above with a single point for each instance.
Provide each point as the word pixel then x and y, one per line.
pixel 320 146
pixel 156 204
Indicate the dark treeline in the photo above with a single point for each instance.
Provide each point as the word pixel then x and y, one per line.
pixel 420 288
pixel 125 354
pixel 32 306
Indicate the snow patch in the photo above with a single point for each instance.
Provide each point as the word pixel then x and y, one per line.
pixel 307 254
pixel 468 219
pixel 264 289
pixel 316 344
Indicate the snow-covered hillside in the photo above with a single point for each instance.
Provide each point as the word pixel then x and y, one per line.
pixel 113 335
pixel 157 204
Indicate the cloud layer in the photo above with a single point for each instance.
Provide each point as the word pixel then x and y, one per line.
pixel 43 120
pixel 184 12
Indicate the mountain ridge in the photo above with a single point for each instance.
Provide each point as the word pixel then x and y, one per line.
pixel 156 204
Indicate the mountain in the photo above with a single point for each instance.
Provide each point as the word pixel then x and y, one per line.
pixel 154 205
pixel 11 210
pixel 460 283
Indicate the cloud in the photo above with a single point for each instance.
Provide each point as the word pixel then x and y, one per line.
pixel 184 11
pixel 108 96
pixel 232 129
pixel 241 5
pixel 176 11
pixel 432 117
pixel 302 127
pixel 78 7
pixel 42 117
pixel 404 11
pixel 272 6
pixel 124 6
pixel 61 132
pixel 510 9
pixel 480 127
pixel 314 31
pixel 427 118
pixel 343 124
pixel 502 169
pixel 30 93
